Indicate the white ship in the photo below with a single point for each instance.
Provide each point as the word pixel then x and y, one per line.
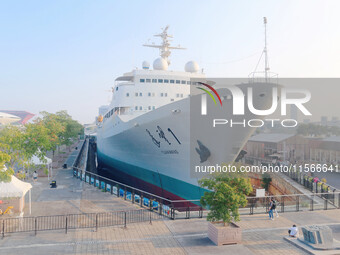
pixel 145 139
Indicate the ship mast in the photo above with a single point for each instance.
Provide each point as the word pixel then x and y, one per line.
pixel 164 48
pixel 267 74
pixel 266 67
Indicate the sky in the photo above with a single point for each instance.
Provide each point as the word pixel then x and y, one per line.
pixel 65 55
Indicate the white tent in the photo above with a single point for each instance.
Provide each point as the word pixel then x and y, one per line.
pixel 48 162
pixel 15 188
pixel 36 161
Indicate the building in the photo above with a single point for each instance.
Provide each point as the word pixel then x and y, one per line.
pixel 23 116
pixel 326 150
pixel 278 146
pixel 6 118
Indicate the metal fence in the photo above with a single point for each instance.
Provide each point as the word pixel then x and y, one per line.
pixel 310 182
pixel 147 200
pixel 322 199
pixel 185 209
pixel 76 221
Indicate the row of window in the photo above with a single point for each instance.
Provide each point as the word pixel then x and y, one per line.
pixel 110 113
pixel 140 94
pixel 140 108
pixel 164 81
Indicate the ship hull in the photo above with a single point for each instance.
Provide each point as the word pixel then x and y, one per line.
pixel 155 151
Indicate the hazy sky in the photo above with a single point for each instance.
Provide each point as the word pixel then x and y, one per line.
pixel 57 55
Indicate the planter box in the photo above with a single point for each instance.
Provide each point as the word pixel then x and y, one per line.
pixel 220 235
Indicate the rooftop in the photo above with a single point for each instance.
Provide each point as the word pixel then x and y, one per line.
pixel 332 139
pixel 270 138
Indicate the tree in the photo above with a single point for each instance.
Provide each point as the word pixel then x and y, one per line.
pixel 55 128
pixel 227 193
pixel 72 128
pixel 5 174
pixel 38 140
pixel 266 180
pixel 12 142
pixel 22 143
pixel 19 144
pixel 315 130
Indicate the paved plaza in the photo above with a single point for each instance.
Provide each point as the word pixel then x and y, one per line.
pixel 260 235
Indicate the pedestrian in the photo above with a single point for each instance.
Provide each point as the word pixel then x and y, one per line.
pixel 274 207
pixel 293 231
pixel 35 176
pixel 271 216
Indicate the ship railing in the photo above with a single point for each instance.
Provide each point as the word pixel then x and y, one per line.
pixel 325 199
pixel 263 77
pixel 185 209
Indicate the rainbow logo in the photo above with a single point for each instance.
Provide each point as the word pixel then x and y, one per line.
pixel 209 93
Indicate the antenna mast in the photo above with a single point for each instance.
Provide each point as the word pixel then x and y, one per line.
pixel 164 48
pixel 266 68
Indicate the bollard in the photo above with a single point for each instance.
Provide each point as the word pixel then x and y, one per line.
pixel 124 219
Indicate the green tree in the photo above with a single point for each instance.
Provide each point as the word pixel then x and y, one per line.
pixel 227 193
pixel 38 140
pixel 72 128
pixel 22 143
pixel 265 181
pixel 44 134
pixel 5 174
pixel 55 129
pixel 13 142
pixel 315 130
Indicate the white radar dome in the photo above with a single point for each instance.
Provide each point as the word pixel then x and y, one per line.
pixel 145 65
pixel 191 67
pixel 160 64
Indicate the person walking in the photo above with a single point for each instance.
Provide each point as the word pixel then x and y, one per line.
pixel 274 207
pixel 35 176
pixel 270 212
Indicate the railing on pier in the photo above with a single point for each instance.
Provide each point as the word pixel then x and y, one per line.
pixel 75 221
pixel 323 199
pixel 185 209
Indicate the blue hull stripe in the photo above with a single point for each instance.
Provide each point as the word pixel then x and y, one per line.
pixel 175 186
